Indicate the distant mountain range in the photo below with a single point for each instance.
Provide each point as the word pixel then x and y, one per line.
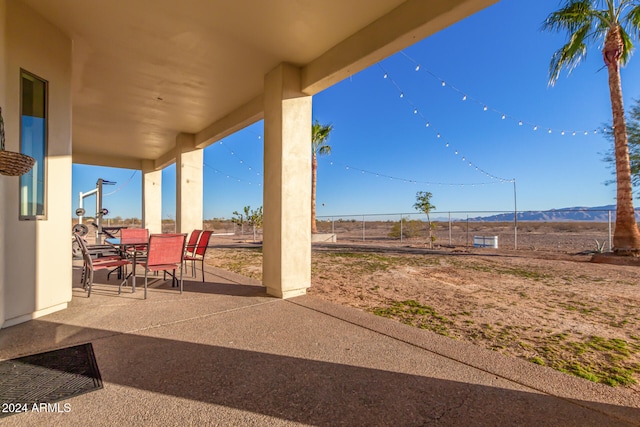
pixel 598 214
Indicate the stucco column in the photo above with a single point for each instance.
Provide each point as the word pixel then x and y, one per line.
pixel 152 199
pixel 287 184
pixel 189 164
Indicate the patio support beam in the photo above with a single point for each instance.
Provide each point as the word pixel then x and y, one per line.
pixel 106 160
pixel 238 119
pixel 412 21
pixel 287 184
pixel 151 198
pixel 189 176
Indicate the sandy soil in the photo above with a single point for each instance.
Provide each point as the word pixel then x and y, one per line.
pixel 554 309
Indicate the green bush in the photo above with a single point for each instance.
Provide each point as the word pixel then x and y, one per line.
pixel 410 228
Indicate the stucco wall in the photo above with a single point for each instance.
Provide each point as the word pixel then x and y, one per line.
pixel 37 273
pixel 3 60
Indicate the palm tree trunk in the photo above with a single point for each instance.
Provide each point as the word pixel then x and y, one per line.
pixel 626 238
pixel 314 174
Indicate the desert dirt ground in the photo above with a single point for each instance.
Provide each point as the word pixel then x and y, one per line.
pixel 550 306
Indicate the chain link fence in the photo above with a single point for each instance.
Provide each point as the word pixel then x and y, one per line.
pixel 558 230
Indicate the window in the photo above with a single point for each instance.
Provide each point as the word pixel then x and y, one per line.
pixel 33 142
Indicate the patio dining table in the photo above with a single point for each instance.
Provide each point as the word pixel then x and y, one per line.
pixel 123 245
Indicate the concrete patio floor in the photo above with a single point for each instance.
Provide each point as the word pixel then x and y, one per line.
pixel 225 353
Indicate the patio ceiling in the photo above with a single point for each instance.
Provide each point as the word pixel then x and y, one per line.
pixel 146 70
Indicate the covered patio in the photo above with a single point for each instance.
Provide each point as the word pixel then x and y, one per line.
pixel 145 84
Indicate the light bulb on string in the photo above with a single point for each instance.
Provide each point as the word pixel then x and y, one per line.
pixel 401 95
pixel 418 67
pixel 464 98
pixel 520 123
pixel 485 108
pixel 504 116
pixel 415 111
pixel 438 136
pixel 562 133
pixel 535 128
pixel 427 124
pixel 385 76
pixel 444 83
pixel 549 130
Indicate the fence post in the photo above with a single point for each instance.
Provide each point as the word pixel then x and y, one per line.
pixel 401 227
pixel 467 230
pixel 449 228
pixel 333 228
pixel 363 235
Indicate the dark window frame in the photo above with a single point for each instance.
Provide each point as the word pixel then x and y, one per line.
pixel 44 167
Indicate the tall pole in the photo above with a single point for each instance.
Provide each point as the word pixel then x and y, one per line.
pixel 99 211
pixel 515 216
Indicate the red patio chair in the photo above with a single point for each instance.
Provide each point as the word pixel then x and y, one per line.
pixel 140 234
pixel 193 242
pixel 164 253
pixel 97 253
pixel 198 254
pixel 90 266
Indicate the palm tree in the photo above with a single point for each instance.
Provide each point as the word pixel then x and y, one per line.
pixel 633 135
pixel 612 23
pixel 319 147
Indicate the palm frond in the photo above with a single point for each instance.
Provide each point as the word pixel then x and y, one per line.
pixel 319 138
pixel 570 55
pixel 324 150
pixel 631 21
pixel 628 47
pixel 573 16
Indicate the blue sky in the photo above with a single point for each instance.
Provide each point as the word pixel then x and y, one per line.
pixel 383 152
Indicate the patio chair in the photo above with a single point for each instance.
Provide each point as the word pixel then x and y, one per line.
pixel 135 234
pixel 192 242
pixel 91 265
pixel 199 252
pixel 98 253
pixel 164 253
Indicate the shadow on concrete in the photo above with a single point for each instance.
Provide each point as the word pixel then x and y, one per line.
pixel 312 391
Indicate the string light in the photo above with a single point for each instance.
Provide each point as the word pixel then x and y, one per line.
pixel 485 107
pixel 438 135
pixel 413 181
pixel 122 186
pixel 362 172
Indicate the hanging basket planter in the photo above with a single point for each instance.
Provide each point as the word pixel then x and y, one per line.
pixel 12 163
